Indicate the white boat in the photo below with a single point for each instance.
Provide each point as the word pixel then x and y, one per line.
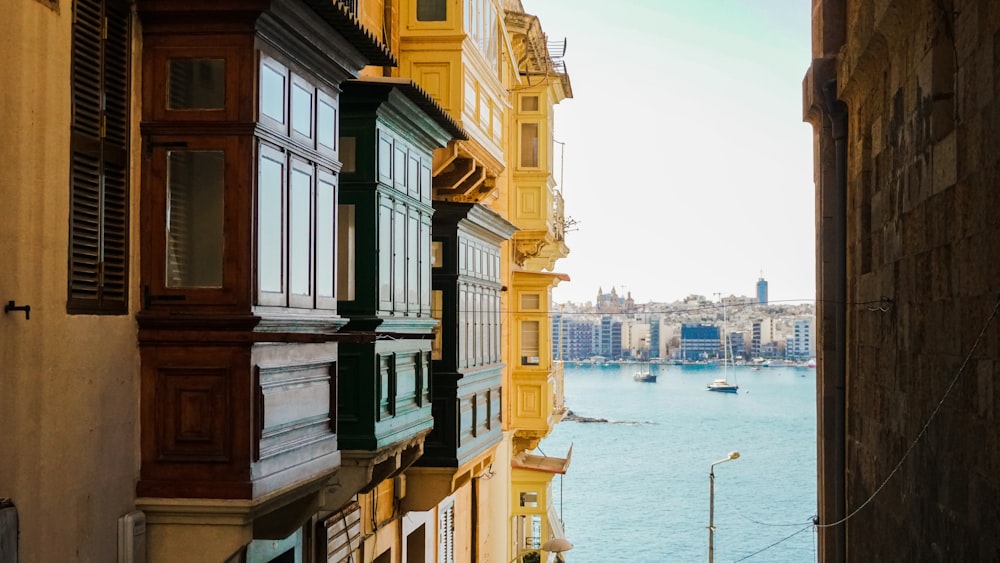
pixel 723 385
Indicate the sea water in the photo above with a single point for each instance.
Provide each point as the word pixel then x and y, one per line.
pixel 638 487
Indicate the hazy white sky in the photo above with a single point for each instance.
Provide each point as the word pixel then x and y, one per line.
pixel 687 165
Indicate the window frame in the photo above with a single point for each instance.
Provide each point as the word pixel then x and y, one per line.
pixel 157 293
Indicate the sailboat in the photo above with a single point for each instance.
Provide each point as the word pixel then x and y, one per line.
pixel 643 373
pixel 723 385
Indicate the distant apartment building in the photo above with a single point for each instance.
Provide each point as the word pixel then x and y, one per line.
pixel 802 344
pixel 574 338
pixel 655 340
pixel 700 342
pixel 737 345
pixel 610 338
pixel 761 336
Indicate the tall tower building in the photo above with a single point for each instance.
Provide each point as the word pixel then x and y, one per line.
pixel 762 290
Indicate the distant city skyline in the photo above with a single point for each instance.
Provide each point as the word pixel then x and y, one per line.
pixel 754 290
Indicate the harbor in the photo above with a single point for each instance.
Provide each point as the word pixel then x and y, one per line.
pixel 669 433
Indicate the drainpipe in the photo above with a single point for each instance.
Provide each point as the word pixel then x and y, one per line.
pixel 832 310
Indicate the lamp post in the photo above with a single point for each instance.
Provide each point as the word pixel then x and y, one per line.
pixel 711 502
pixel 554 545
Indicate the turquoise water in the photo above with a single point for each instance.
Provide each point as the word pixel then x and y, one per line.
pixel 637 489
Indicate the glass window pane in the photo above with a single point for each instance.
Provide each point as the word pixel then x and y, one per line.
pixel 299 231
pixel 196 84
pixel 529 343
pixel 432 10
pixel 272 93
pixel 425 263
pixel 345 252
pixel 270 187
pixel 385 254
pixel 529 103
pixel 437 312
pixel 412 260
pixel 326 126
pixel 302 110
pixel 325 208
pixel 195 193
pixel 399 259
pixel 529 145
pixel 348 150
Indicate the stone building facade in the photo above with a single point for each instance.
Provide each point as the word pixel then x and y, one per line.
pixel 903 97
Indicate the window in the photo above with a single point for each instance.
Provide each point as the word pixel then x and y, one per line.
pixel 529 145
pixel 194 218
pixel 98 238
pixel 437 312
pixel 194 84
pixel 270 226
pixel 346 236
pixel 297 228
pixel 529 343
pixel 529 103
pixel 432 10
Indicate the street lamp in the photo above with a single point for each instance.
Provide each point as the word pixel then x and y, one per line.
pixel 554 545
pixel 711 501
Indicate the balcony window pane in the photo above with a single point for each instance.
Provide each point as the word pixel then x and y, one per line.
pixel 345 252
pixel 412 261
pixel 196 84
pixel 326 124
pixel 385 255
pixel 529 343
pixel 270 188
pixel 399 259
pixel 432 10
pixel 299 231
pixel 195 190
pixel 437 312
pixel 529 145
pixel 272 93
pixel 325 209
pixel 302 110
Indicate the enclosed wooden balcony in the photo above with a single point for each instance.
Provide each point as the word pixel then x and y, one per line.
pixel 535 401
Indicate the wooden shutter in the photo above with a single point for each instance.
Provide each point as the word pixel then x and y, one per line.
pixel 341 533
pixel 446 534
pixel 98 238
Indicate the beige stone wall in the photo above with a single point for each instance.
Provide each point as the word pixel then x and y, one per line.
pixel 68 384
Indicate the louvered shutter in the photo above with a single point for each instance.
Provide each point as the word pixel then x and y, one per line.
pixel 98 242
pixel 341 533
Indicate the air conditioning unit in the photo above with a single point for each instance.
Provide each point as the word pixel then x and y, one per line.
pixel 132 538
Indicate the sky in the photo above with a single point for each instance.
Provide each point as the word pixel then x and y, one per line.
pixel 686 164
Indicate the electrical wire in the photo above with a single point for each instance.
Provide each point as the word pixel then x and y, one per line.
pixel 789 525
pixel 784 539
pixel 923 430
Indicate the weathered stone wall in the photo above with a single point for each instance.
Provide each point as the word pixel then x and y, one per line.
pixel 921 80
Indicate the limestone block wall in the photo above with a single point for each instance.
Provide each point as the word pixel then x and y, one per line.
pixel 921 80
